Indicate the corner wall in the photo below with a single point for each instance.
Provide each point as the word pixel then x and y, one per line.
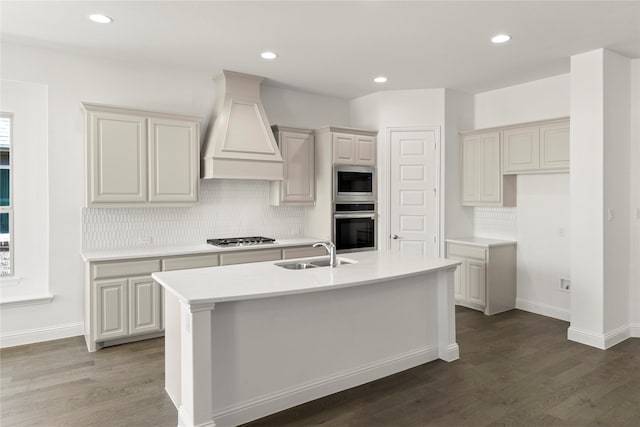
pixel 540 221
pixel 634 244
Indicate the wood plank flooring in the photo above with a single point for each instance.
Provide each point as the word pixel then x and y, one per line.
pixel 516 369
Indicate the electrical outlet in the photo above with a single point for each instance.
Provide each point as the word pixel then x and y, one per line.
pixel 565 284
pixel 145 240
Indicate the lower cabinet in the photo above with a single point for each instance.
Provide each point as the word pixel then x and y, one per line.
pixel 486 278
pixel 123 303
pixel 126 307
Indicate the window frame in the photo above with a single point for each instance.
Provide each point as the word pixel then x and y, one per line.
pixel 9 209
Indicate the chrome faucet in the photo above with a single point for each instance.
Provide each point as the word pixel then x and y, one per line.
pixel 331 248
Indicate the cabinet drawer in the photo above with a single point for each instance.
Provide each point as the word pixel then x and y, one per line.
pixel 464 251
pixel 303 252
pixel 124 268
pixel 195 261
pixel 252 256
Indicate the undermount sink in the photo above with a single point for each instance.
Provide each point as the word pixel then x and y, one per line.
pixel 314 263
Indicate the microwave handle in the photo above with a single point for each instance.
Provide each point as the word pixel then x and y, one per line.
pixel 338 216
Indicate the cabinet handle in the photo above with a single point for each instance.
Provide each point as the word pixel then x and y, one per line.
pixel 395 237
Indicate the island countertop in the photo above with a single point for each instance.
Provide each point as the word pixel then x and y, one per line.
pixel 267 279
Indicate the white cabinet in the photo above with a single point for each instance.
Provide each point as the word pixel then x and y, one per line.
pixel 336 145
pixel 486 279
pixel 124 300
pixel 138 158
pixel 354 149
pixel 483 183
pixel 123 303
pixel 111 309
pixel 174 156
pixel 144 306
pixel 297 147
pixel 543 147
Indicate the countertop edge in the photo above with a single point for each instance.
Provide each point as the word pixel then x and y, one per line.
pixel 153 252
pixel 490 243
pixel 450 265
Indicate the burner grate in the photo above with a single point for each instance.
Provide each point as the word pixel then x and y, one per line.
pixel 241 241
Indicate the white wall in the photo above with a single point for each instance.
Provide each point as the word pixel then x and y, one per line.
pixel 72 79
pixel 459 116
pixel 28 103
pixel 540 220
pixel 634 245
pixel 288 107
pixel 617 127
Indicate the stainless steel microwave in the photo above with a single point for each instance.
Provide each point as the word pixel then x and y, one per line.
pixel 354 184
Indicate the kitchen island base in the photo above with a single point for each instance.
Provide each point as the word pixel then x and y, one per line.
pixel 231 362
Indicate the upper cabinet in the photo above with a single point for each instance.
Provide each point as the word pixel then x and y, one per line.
pixel 297 147
pixel 138 158
pixel 483 183
pixel 491 159
pixel 535 149
pixel 354 149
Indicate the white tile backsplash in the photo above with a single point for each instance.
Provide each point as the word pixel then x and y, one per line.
pixel 227 208
pixel 497 223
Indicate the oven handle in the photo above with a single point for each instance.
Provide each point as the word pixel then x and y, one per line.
pixel 338 216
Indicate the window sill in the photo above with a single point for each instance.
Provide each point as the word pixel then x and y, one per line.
pixel 22 302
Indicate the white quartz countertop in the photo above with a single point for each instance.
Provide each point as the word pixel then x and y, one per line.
pixel 162 251
pixel 480 241
pixel 266 279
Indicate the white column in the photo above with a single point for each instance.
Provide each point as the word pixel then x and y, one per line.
pixel 448 349
pixel 599 198
pixel 196 372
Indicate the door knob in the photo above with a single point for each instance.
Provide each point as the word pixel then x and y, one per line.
pixel 394 237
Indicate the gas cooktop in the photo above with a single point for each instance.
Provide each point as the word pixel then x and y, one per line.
pixel 241 241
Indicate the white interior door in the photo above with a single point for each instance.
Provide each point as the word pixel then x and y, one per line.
pixel 414 191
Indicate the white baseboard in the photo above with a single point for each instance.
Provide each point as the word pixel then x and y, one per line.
pixel 598 340
pixel 293 396
pixel 31 336
pixel 634 330
pixel 543 309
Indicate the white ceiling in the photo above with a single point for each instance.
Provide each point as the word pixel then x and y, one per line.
pixel 338 47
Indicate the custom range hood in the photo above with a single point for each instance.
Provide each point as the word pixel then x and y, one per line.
pixel 240 144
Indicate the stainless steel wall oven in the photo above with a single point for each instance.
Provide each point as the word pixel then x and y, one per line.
pixel 354 227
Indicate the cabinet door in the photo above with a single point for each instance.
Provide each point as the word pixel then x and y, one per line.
pixel 476 281
pixel 116 158
pixel 111 312
pixel 554 147
pixel 490 169
pixel 521 149
pixel 174 158
pixel 471 163
pixel 365 150
pixel 344 149
pixel 298 155
pixel 144 306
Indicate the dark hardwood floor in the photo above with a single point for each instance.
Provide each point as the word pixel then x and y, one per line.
pixel 515 368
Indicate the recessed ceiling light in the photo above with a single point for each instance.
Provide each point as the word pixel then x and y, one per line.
pixel 100 19
pixel 380 79
pixel 501 38
pixel 269 55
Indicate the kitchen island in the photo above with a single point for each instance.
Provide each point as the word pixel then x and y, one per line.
pixel 245 341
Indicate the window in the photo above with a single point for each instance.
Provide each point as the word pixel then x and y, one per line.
pixel 6 205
